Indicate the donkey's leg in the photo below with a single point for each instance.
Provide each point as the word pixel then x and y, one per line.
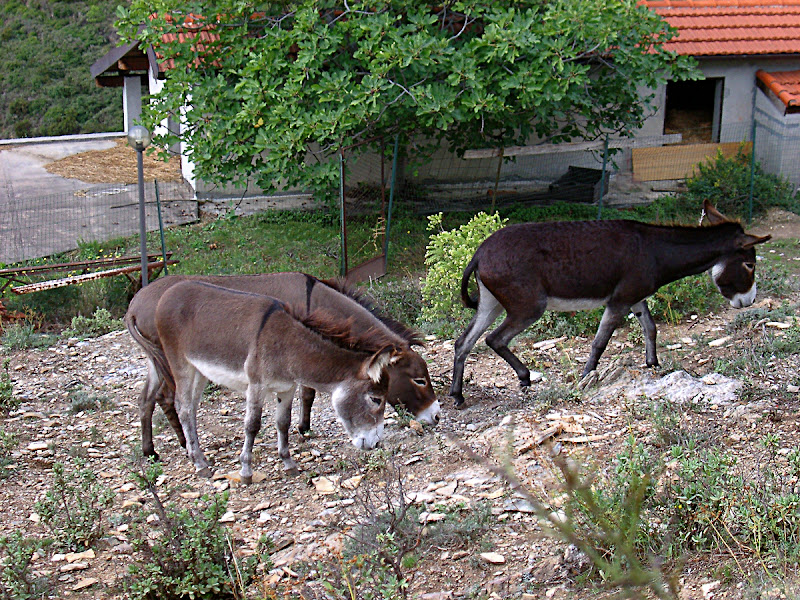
pixel 642 313
pixel 166 400
pixel 189 386
pixel 252 424
pixel 488 310
pixel 147 404
pixel 307 395
pixel 613 317
pixel 283 419
pixel 499 339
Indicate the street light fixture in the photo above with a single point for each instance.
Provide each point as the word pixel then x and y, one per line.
pixel 139 139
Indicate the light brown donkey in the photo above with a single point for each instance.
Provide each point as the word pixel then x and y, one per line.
pixel 254 344
pixel 409 381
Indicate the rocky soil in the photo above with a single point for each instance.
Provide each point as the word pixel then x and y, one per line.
pixel 513 558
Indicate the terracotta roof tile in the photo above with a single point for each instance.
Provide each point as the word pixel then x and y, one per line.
pixel 785 85
pixel 731 28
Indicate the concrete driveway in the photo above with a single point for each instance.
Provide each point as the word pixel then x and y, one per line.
pixel 42 213
pixel 22 164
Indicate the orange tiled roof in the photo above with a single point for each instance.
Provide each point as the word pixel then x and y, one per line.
pixel 731 28
pixel 785 85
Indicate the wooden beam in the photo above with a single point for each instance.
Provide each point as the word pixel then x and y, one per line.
pixel 572 147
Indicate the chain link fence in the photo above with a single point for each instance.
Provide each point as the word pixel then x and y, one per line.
pixel 32 228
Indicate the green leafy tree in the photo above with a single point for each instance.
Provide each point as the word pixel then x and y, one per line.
pixel 281 87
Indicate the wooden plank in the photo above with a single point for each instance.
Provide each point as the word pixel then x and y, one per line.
pixel 673 138
pixel 73 279
pixel 80 264
pixel 678 162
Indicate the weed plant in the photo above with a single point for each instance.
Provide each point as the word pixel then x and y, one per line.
pixel 73 507
pixel 8 442
pixel 17 580
pixel 100 323
pixel 23 335
pixel 7 399
pixel 726 182
pixel 193 554
pixel 81 400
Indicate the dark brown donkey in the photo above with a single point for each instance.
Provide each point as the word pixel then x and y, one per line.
pixel 253 344
pixel 566 266
pixel 409 381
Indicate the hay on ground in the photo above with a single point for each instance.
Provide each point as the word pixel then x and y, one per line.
pixel 115 165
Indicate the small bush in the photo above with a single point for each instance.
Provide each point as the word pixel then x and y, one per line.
pixel 73 507
pixel 7 398
pixel 446 256
pixel 8 442
pixel 100 323
pixel 81 400
pixel 22 335
pixel 726 182
pixel 17 582
pixel 694 294
pixel 192 557
pixel 402 299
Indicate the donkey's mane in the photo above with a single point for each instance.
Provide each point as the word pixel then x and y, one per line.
pixel 412 337
pixel 340 332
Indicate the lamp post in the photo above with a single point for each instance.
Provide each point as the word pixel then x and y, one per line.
pixel 139 139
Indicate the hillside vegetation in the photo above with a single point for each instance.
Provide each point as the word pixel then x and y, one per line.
pixel 46 49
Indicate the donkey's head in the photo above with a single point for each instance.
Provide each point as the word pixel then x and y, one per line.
pixel 734 273
pixel 359 401
pixel 410 387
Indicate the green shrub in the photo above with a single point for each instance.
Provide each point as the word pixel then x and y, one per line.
pixel 402 299
pixel 726 182
pixel 8 441
pixel 73 507
pixel 17 581
pixel 446 256
pixel 192 557
pixel 81 400
pixel 694 294
pixel 100 323
pixel 22 335
pixel 7 398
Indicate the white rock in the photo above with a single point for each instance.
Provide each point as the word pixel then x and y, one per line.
pixel 493 558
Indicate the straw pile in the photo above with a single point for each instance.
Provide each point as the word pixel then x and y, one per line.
pixel 114 165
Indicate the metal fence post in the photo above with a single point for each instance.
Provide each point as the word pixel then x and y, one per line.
pixel 752 171
pixel 342 217
pixel 603 180
pixel 391 203
pixel 161 227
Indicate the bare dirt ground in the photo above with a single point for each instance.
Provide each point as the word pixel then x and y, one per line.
pixel 521 562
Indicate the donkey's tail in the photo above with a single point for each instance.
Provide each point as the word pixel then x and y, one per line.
pixel 154 352
pixel 468 300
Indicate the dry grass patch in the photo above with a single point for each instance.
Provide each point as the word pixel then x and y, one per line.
pixel 114 165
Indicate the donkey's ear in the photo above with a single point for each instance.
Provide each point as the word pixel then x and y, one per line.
pixel 376 363
pixel 712 214
pixel 748 241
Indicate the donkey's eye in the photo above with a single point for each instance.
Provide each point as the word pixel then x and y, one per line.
pixel 376 399
pixel 750 266
pixel 420 382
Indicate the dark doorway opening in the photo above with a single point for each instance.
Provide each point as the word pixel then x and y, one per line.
pixel 694 109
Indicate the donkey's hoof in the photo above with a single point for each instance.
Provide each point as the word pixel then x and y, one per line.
pixel 246 479
pixel 459 402
pixel 206 472
pixel 525 382
pixel 291 471
pixel 151 456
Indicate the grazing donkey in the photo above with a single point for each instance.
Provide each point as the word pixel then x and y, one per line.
pixel 409 381
pixel 253 344
pixel 565 266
